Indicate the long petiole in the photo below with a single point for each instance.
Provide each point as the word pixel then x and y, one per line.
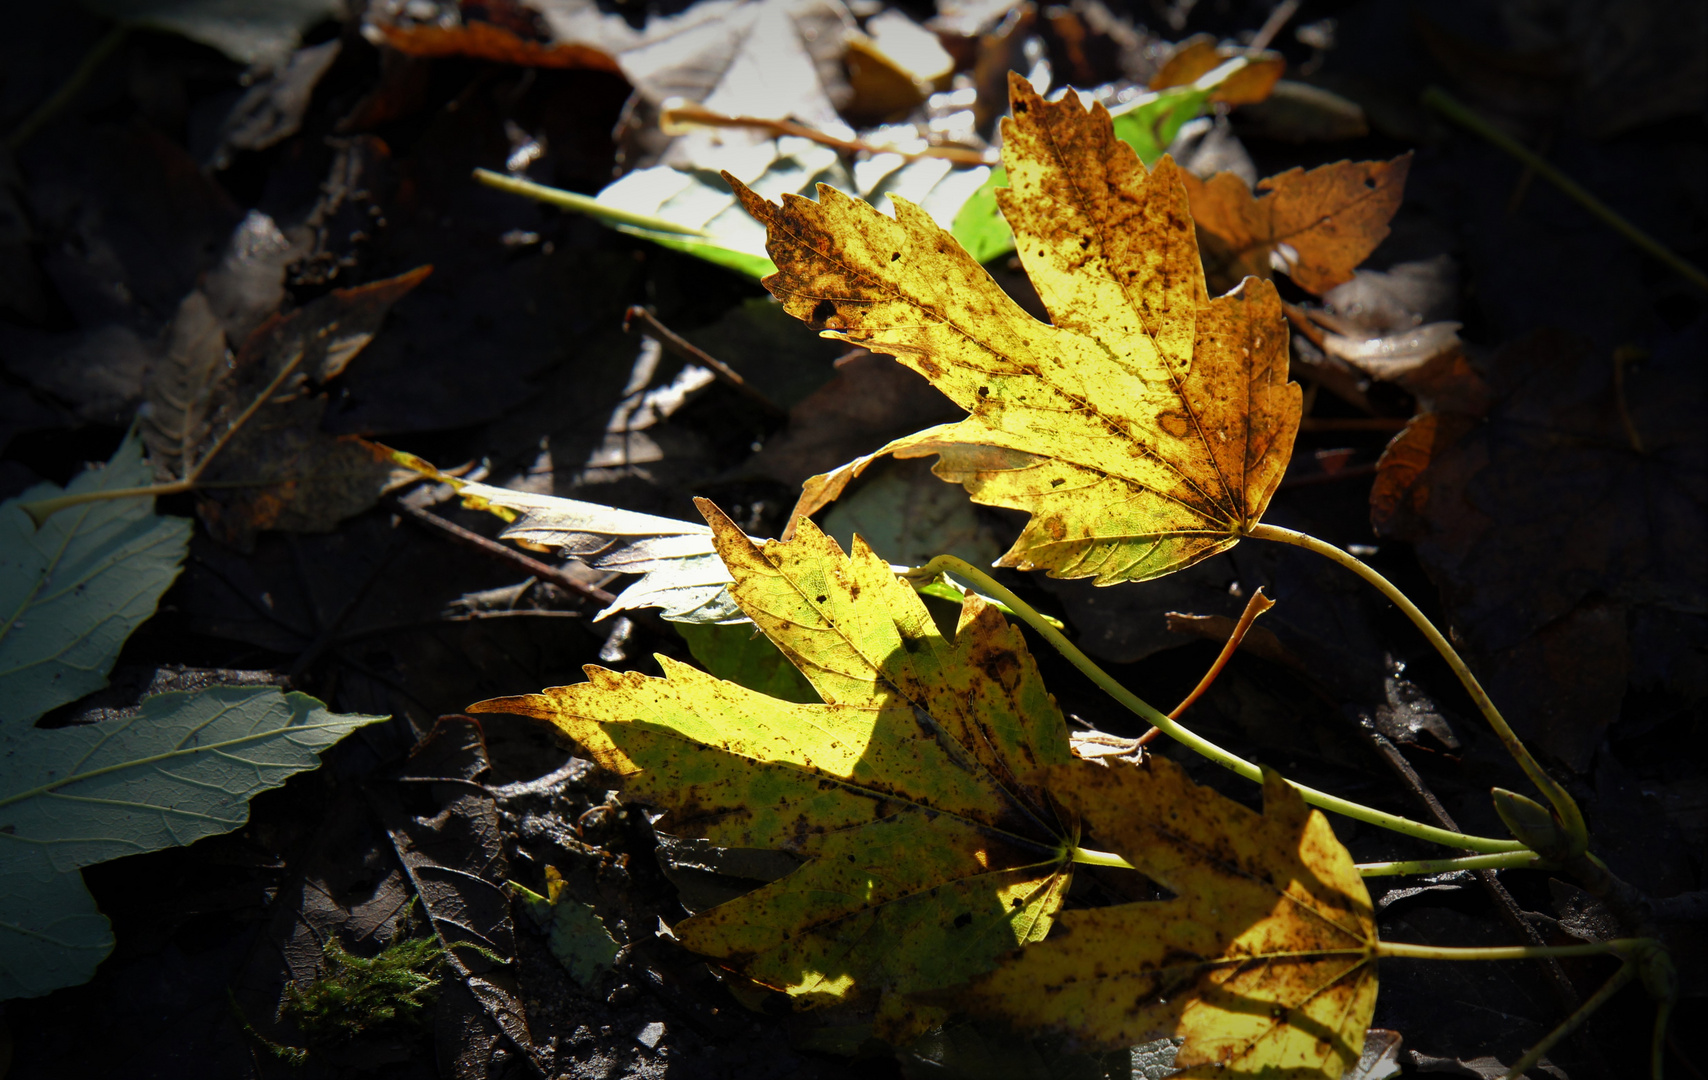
pixel 1625 947
pixel 1101 858
pixel 1571 819
pixel 43 509
pixel 1191 740
pixel 1505 860
pixel 1254 607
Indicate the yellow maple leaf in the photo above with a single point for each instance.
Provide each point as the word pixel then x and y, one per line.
pixel 1144 428
pixel 913 790
pixel 1265 959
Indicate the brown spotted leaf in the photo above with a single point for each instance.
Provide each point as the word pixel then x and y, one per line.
pixel 912 792
pixel 1316 226
pixel 1145 427
pixel 1264 960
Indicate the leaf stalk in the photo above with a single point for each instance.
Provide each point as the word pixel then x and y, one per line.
pixel 1566 811
pixel 1504 860
pixel 42 509
pixel 1188 738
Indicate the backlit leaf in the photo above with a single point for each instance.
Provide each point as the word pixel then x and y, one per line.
pixel 1264 958
pixel 1144 428
pixel 1317 225
pixel 912 790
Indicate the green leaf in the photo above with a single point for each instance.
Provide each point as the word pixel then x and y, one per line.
pixel 72 591
pixel 578 937
pixel 183 768
pixel 694 211
pixel 739 653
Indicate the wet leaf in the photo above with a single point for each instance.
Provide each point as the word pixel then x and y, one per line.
pixel 1264 958
pixel 1143 430
pixel 931 848
pixel 1314 226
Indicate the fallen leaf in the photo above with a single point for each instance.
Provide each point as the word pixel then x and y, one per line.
pixel 578 938
pixel 1264 959
pixel 185 767
pixel 271 110
pixel 1199 55
pixel 932 850
pixel 1144 430
pixel 740 654
pixel 868 401
pixel 75 588
pixel 1559 509
pixel 263 461
pixel 680 572
pixel 908 516
pixel 1299 112
pixel 1315 226
pixel 443 824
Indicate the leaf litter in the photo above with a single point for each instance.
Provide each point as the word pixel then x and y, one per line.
pixel 395 200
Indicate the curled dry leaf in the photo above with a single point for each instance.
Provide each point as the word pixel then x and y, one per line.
pixel 1264 958
pixel 1145 429
pixel 913 789
pixel 1319 225
pixel 679 572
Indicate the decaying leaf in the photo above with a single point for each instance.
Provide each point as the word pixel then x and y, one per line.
pixel 243 431
pixel 1144 430
pixel 1264 958
pixel 912 790
pixel 279 470
pixel 1315 226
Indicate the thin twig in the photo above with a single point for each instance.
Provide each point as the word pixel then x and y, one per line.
pixel 498 551
pixel 1507 907
pixel 1285 10
pixel 1462 114
pixel 68 90
pixel 672 121
pixel 1254 607
pixel 1574 834
pixel 691 352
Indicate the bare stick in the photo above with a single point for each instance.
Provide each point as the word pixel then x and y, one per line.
pixel 686 349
